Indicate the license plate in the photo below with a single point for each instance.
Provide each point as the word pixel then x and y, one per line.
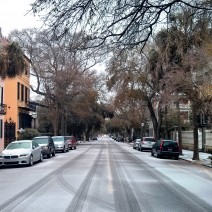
pixel 170 150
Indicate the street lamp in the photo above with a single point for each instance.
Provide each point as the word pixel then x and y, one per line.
pixel 142 130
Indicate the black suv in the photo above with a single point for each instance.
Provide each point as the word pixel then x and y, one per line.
pixel 47 145
pixel 166 148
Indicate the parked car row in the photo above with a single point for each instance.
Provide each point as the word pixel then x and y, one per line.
pixel 160 148
pixel 27 152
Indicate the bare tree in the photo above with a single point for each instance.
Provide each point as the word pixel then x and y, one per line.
pixel 120 23
pixel 61 75
pixel 185 60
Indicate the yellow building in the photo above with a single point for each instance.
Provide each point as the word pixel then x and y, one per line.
pixel 16 98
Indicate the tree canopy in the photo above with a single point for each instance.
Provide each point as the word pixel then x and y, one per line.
pixel 122 23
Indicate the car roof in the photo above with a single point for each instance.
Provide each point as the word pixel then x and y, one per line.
pixel 148 137
pixel 42 137
pixel 21 141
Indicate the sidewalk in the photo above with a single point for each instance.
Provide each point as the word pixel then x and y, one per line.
pixel 203 158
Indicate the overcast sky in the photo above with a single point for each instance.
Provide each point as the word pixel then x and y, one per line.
pixel 13 15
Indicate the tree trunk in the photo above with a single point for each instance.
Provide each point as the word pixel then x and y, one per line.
pixel 166 123
pixel 195 132
pixel 153 118
pixel 179 126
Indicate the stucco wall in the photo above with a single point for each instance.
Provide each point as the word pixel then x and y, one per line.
pixel 188 141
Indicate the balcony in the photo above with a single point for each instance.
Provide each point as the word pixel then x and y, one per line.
pixel 27 106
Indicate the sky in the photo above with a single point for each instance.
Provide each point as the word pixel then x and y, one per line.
pixel 13 15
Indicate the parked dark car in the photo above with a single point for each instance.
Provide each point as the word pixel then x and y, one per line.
pixel 47 144
pixel 120 139
pixel 146 143
pixel 166 148
pixel 72 142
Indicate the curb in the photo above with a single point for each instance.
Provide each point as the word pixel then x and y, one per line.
pixel 200 162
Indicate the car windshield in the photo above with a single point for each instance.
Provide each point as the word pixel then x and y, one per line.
pixel 149 139
pixel 58 139
pixel 41 140
pixel 69 138
pixel 170 143
pixel 19 145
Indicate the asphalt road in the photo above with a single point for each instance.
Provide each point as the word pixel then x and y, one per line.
pixel 106 176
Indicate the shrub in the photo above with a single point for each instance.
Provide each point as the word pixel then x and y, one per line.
pixel 28 134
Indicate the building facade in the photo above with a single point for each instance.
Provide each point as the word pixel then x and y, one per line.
pixel 15 95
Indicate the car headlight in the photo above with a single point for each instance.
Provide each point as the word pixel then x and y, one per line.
pixel 45 147
pixel 23 155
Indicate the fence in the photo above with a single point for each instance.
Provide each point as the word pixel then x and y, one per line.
pixel 188 141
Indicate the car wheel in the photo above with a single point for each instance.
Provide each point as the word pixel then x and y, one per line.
pixel 49 155
pixel 75 147
pixel 64 149
pixel 152 154
pixel 176 157
pixel 157 154
pixel 53 153
pixel 31 160
pixel 141 149
pixel 41 157
pixel 67 149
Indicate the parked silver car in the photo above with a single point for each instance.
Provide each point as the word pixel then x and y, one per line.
pixel 60 143
pixel 146 143
pixel 21 153
pixel 136 143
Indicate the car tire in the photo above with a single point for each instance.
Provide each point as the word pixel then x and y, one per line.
pixel 141 149
pixel 31 161
pixel 75 147
pixel 152 153
pixel 64 149
pixel 41 157
pixel 176 157
pixel 157 154
pixel 53 153
pixel 49 155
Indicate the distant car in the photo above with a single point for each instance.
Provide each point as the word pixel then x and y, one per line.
pixel 146 143
pixel 23 152
pixel 166 148
pixel 136 143
pixel 47 145
pixel 72 142
pixel 120 139
pixel 61 144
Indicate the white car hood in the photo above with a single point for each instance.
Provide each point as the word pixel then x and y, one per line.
pixel 59 142
pixel 43 145
pixel 16 151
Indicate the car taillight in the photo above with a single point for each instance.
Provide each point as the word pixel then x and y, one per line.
pixel 161 145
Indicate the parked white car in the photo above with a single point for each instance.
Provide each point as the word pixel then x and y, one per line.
pixel 23 152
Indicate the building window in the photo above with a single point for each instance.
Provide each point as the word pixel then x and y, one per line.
pixel 1 128
pixel 18 92
pixel 22 92
pixel 26 94
pixel 27 69
pixel 1 95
